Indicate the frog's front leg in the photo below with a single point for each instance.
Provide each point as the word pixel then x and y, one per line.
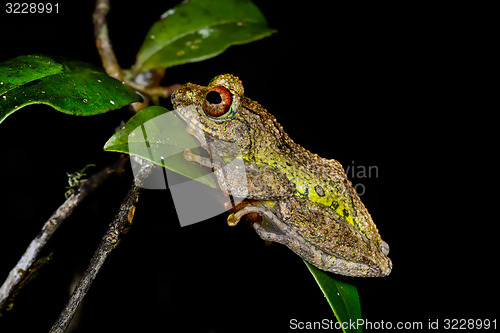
pixel 192 157
pixel 243 179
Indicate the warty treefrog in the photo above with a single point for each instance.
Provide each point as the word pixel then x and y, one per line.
pixel 293 197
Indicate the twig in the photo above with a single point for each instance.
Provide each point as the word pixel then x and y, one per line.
pixel 103 43
pixel 12 284
pixel 149 85
pixel 116 229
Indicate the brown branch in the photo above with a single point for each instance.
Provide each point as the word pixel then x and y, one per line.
pixel 148 84
pixel 103 43
pixel 17 275
pixel 116 229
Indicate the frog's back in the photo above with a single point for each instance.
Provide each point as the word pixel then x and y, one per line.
pixel 316 178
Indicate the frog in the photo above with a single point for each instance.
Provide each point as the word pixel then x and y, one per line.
pixel 290 195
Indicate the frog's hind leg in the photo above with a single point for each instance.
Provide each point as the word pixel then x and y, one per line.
pixel 273 230
pixel 278 233
pixel 270 228
pixel 234 218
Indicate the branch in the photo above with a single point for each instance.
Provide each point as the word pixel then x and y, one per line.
pixel 17 275
pixel 103 43
pixel 116 229
pixel 150 85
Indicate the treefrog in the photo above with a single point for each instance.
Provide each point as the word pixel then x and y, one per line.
pixel 292 196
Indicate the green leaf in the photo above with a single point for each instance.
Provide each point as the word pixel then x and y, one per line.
pixel 158 135
pixel 198 30
pixel 72 87
pixel 342 297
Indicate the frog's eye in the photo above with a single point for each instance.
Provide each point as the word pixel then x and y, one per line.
pixel 217 102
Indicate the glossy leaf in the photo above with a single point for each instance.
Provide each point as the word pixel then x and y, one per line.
pixel 200 29
pixel 342 297
pixel 72 87
pixel 159 136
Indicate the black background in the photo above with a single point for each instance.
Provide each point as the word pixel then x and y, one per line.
pixel 399 88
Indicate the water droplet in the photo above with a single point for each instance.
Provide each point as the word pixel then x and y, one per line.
pixel 112 102
pixel 167 13
pixel 85 101
pixel 205 32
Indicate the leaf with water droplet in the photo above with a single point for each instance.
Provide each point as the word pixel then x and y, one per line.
pixel 70 86
pixel 198 30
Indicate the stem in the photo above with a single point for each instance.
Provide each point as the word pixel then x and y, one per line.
pixel 14 280
pixel 116 229
pixel 103 43
pixel 163 92
pixel 110 63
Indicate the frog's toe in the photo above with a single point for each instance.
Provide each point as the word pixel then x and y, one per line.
pixel 385 248
pixel 192 157
pixel 252 214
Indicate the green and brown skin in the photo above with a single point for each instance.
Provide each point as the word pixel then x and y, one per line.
pixel 305 201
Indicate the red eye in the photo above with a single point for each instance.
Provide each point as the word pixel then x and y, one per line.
pixel 217 102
